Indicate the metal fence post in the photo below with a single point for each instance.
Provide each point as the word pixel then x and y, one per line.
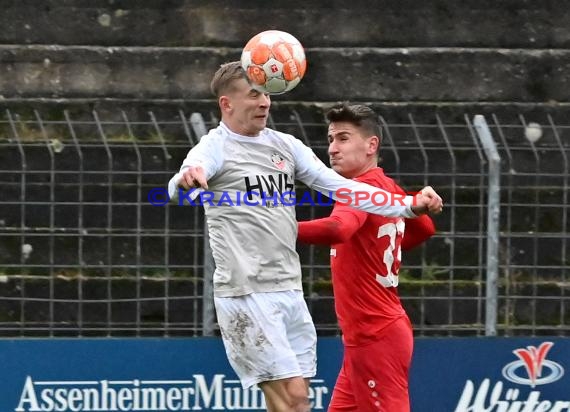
pixel 208 314
pixel 493 214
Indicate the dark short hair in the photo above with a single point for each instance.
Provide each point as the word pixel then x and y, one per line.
pixel 359 115
pixel 225 76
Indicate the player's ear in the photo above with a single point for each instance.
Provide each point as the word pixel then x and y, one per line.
pixel 225 103
pixel 373 143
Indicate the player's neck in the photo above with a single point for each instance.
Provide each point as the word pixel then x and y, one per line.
pixel 365 169
pixel 236 128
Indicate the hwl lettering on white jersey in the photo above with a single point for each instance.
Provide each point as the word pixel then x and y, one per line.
pixel 268 184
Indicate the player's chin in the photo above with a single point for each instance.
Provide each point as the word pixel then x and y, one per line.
pixel 336 167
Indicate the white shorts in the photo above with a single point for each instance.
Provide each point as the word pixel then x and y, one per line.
pixel 268 336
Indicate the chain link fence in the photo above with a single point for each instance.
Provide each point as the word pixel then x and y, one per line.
pixel 84 253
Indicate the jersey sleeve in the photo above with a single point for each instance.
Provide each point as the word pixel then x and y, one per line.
pixel 417 231
pixel 339 227
pixel 313 172
pixel 207 153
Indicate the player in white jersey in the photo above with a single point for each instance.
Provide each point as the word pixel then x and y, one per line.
pixel 248 172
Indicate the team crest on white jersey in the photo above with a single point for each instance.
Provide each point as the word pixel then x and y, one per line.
pixel 278 161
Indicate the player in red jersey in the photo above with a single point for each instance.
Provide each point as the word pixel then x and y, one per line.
pixel 365 259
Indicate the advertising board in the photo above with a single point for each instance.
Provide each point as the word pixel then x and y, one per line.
pixel 454 374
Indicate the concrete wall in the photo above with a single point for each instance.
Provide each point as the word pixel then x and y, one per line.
pixel 364 74
pixel 393 51
pixel 228 23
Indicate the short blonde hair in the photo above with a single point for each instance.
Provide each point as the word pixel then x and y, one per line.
pixel 225 77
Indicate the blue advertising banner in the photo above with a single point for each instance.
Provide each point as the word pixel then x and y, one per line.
pixel 456 375
pixel 491 375
pixel 136 375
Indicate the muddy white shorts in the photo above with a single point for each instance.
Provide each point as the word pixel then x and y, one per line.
pixel 268 336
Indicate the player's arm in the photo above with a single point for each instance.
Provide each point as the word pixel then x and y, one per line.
pixel 201 163
pixel 313 172
pixel 417 231
pixel 339 227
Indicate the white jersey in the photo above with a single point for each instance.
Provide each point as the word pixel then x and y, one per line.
pixel 253 235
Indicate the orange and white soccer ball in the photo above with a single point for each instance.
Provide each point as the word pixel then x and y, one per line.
pixel 274 61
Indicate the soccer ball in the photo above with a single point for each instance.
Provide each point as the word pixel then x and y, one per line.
pixel 274 61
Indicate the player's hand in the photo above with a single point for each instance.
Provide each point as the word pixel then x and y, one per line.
pixel 193 176
pixel 427 201
pixel 435 204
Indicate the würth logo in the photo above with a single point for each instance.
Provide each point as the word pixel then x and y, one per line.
pixel 532 368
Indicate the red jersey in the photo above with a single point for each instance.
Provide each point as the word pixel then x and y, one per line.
pixel 365 260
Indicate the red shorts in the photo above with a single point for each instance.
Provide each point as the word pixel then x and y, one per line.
pixel 374 377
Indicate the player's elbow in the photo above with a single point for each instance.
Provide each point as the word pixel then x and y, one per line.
pixel 338 233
